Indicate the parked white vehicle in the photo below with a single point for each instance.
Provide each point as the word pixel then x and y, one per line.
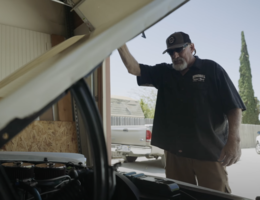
pixel 131 142
pixel 257 147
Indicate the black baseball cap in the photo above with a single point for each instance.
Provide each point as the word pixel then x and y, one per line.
pixel 177 40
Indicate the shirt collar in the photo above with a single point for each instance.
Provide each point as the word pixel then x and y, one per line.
pixel 197 63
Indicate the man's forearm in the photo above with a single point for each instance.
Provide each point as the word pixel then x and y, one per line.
pixel 234 119
pixel 231 152
pixel 129 61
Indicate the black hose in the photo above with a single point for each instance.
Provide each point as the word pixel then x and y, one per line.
pixel 81 187
pixel 48 192
pixel 53 179
pixel 33 191
pixel 61 183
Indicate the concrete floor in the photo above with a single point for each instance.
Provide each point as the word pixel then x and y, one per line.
pixel 244 176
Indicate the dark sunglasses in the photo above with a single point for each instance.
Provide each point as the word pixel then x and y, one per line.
pixel 178 50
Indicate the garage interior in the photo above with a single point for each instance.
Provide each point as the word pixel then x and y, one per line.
pixel 24 39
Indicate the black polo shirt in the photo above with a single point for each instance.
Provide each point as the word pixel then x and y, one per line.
pixel 190 116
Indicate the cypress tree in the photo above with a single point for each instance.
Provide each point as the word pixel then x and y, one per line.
pixel 250 116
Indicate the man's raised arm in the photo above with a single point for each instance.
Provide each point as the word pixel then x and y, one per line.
pixel 129 61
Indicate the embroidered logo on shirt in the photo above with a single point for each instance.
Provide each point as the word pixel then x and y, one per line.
pixel 198 78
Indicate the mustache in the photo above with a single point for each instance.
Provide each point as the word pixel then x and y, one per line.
pixel 179 66
pixel 177 59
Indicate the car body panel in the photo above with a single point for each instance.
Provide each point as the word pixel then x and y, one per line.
pixel 130 140
pixel 258 138
pixel 131 135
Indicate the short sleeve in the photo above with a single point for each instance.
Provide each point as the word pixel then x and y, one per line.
pixel 230 98
pixel 150 75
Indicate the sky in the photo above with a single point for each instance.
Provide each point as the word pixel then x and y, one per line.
pixel 214 26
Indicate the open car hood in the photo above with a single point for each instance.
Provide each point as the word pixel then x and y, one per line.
pixel 112 23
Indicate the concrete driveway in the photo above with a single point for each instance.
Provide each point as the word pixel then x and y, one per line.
pixel 244 177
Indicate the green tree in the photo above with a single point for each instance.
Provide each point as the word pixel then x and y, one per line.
pixel 257 106
pixel 147 97
pixel 147 110
pixel 250 116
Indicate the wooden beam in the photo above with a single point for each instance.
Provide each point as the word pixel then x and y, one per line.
pixel 56 39
pixel 108 109
pixel 100 91
pixel 77 21
pixel 65 112
pixel 47 115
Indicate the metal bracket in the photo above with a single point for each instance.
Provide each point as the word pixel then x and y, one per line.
pixel 143 35
pixel 60 2
pixel 91 28
pixel 77 5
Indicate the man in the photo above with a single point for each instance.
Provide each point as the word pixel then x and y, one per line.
pixel 197 116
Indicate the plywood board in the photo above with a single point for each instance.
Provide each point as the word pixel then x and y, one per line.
pixel 45 136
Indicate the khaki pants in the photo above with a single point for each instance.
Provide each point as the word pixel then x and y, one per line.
pixel 203 173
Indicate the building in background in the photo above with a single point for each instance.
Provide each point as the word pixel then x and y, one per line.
pixel 126 111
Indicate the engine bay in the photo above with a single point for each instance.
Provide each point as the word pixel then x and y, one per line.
pixel 62 176
pixel 45 178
